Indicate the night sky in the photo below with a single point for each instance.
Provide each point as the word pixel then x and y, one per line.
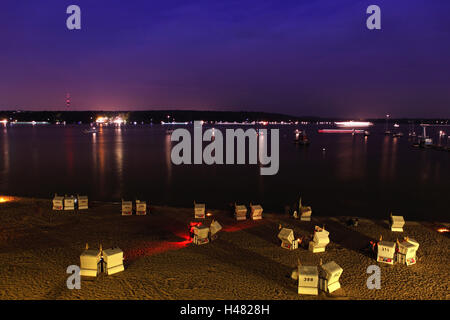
pixel 312 57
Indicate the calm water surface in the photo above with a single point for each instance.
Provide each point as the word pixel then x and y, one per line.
pixel 353 176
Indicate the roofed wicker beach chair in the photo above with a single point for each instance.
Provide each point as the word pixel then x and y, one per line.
pixel 141 208
pixel 58 202
pixel 127 208
pixel 256 211
pixel 397 223
pixel 82 202
pixel 305 212
pixel 240 212
pixel 199 210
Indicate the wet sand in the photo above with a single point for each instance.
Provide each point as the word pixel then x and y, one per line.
pixel 245 262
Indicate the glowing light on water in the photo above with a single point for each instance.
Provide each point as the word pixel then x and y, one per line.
pixel 442 230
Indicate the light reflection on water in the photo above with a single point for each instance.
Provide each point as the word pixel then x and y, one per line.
pixel 357 175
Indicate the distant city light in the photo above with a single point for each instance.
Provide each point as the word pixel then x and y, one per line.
pixel 102 120
pixel 354 124
pixel 118 120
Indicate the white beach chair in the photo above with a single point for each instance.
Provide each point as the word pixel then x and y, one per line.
pixel 200 235
pixel 397 223
pixel 113 259
pixel 90 262
pixel 127 208
pixel 329 275
pixel 386 252
pixel 320 240
pixel 214 228
pixel 83 203
pixel 308 279
pixel 69 203
pixel 305 212
pixel 240 212
pixel 199 210
pixel 407 251
pixel 141 208
pixel 256 212
pixel 58 202
pixel 287 238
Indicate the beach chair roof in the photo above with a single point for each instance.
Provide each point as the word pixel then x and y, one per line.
pixel 331 268
pixel 286 234
pixel 311 271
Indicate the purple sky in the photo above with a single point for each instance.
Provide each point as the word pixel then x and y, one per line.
pixel 312 57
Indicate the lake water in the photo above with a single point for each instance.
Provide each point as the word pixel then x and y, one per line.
pixel 355 175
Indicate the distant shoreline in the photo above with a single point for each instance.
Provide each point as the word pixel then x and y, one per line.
pixel 158 116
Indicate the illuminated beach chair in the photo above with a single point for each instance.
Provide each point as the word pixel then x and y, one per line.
pixel 58 202
pixel 407 251
pixel 69 203
pixel 329 275
pixel 83 203
pixel 200 235
pixel 385 251
pixel 214 229
pixel 113 260
pixel 240 212
pixel 199 210
pixel 256 212
pixel 127 208
pixel 397 223
pixel 287 238
pixel 141 208
pixel 305 212
pixel 308 279
pixel 320 240
pixel 90 262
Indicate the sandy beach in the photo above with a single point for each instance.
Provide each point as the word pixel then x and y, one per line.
pixel 245 262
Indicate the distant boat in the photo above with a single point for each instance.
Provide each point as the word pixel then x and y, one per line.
pixel 301 138
pixel 91 130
